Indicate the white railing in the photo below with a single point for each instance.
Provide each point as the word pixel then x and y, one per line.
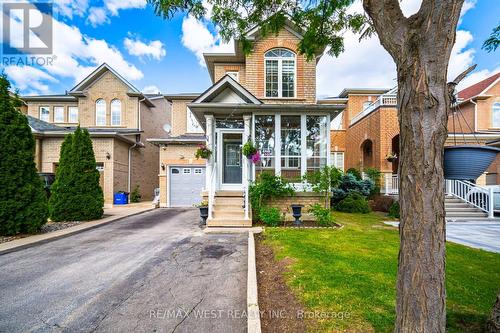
pixel 391 184
pixel 211 192
pixel 389 99
pixel 475 195
pixel 245 201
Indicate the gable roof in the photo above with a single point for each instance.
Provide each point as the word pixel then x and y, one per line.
pixel 98 72
pixel 479 88
pixel 227 82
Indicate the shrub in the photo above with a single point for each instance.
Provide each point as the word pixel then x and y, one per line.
pixel 355 172
pixel 136 196
pixel 350 184
pixel 381 203
pixel 375 175
pixel 271 216
pixel 323 181
pixel 323 215
pixel 77 195
pixel 394 210
pixel 268 187
pixel 353 203
pixel 23 202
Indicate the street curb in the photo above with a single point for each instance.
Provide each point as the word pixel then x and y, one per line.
pixel 253 313
pixel 68 233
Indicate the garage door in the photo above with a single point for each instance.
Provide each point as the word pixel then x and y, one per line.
pixel 186 184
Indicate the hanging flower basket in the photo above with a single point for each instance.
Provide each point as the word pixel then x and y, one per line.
pixel 203 152
pixel 255 157
pixel 467 162
pixel 392 157
pixel 248 149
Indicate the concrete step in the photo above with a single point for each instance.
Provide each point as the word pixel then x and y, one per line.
pixel 454 200
pixel 231 214
pixel 465 215
pixel 217 222
pixel 457 204
pixel 463 209
pixel 228 201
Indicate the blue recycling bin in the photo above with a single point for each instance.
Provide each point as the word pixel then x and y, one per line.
pixel 120 198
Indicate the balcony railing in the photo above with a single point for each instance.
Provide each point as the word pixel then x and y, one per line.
pixel 383 100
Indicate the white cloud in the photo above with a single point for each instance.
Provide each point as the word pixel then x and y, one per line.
pixel 151 90
pixel 71 7
pixel 115 5
pixel 154 49
pixel 198 39
pixel 97 16
pixel 29 79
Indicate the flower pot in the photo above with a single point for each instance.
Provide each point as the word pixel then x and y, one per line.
pixel 297 213
pixel 203 215
pixel 391 159
pixel 467 162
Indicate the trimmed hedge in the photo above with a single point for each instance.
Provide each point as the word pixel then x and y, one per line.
pixel 353 203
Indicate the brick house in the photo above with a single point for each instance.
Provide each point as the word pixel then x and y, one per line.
pixel 119 118
pixel 268 97
pixel 369 129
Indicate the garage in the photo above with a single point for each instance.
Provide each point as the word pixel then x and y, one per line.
pixel 186 184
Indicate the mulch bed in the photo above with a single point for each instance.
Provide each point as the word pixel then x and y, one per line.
pixel 304 225
pixel 277 303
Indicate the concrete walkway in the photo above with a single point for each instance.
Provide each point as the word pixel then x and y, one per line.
pixel 153 272
pixel 110 215
pixel 479 235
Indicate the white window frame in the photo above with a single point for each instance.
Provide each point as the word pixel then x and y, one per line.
pixel 334 156
pixel 192 124
pixel 42 114
pixel 58 109
pixel 186 171
pixel 234 74
pixel 495 107
pixel 280 73
pixel 116 108
pixel 72 109
pixel 100 117
pixel 198 171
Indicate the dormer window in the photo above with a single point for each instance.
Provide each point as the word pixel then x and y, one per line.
pixel 280 73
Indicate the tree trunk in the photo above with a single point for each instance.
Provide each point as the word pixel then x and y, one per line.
pixel 423 107
pixel 493 325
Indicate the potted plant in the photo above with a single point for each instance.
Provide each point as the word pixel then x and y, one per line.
pixel 391 157
pixel 248 149
pixel 297 213
pixel 467 162
pixel 203 152
pixel 203 206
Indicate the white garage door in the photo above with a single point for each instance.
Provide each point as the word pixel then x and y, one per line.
pixel 186 184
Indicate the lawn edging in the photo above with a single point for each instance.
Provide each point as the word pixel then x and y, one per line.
pixel 253 313
pixel 23 243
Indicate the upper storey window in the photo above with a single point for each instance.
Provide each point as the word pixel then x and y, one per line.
pixel 280 73
pixel 100 112
pixel 116 112
pixel 496 114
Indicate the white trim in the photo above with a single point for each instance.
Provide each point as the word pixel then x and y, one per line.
pixel 277 144
pixel 40 113
pixel 303 145
pixel 487 88
pixel 59 107
pixel 221 131
pixel 227 80
pixel 93 75
pixel 280 74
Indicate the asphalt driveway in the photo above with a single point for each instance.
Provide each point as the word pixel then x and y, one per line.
pixel 154 272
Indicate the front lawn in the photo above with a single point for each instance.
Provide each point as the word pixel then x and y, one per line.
pixel 353 271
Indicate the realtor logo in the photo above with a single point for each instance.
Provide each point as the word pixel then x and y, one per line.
pixel 27 28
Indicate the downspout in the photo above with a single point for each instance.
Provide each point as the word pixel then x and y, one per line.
pixel 139 112
pixel 135 145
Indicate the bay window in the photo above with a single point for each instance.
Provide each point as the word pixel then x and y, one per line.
pixel 280 73
pixel 265 143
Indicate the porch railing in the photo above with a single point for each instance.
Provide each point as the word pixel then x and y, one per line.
pixel 211 192
pixel 391 185
pixel 382 100
pixel 245 201
pixel 475 195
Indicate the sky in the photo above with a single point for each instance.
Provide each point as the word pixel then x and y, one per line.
pixel 166 56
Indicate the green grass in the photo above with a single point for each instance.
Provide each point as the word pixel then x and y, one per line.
pixel 353 270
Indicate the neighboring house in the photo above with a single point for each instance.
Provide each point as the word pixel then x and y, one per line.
pixel 369 130
pixel 118 117
pixel 267 96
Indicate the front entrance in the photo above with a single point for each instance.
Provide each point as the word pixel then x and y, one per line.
pixel 231 159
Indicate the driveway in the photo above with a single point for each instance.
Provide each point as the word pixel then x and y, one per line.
pixel 154 272
pixel 479 235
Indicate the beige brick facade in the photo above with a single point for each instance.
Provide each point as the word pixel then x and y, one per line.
pixel 112 152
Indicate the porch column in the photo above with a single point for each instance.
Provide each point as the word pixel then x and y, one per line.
pixel 209 118
pixel 246 161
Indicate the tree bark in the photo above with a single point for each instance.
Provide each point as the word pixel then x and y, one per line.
pixel 421 46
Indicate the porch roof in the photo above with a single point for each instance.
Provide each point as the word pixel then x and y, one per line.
pixel 237 109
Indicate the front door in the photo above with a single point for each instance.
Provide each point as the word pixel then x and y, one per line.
pixel 231 158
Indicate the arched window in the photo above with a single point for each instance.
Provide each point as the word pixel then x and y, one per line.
pixel 100 112
pixel 116 112
pixel 280 73
pixel 496 114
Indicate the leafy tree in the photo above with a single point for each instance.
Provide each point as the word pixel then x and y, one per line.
pixel 493 41
pixel 323 181
pixel 76 193
pixel 375 175
pixel 23 202
pixel 420 45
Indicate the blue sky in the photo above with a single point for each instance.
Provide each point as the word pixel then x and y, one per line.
pixel 155 54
